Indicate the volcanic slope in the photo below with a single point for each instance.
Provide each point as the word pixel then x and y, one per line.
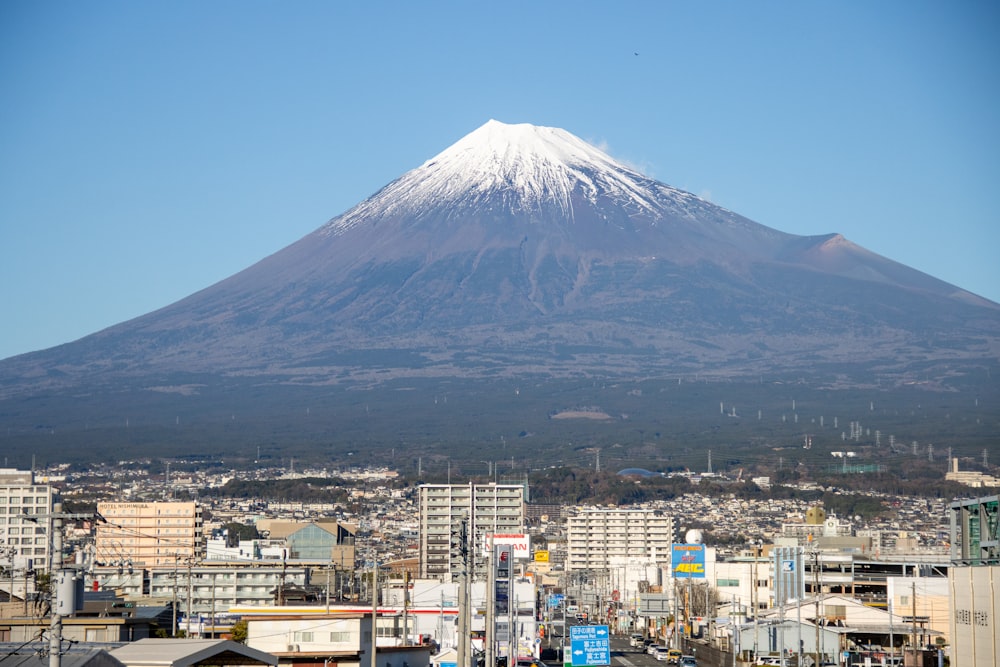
pixel 524 251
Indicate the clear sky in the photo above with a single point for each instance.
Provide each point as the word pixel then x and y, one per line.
pixel 151 149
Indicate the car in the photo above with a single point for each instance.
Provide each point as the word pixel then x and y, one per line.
pixel 635 640
pixel 530 662
pixel 661 653
pixel 652 646
pixel 673 656
pixel 687 661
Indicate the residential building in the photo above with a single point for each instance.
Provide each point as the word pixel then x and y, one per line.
pixel 149 534
pixel 25 506
pixel 490 509
pixel 205 588
pixel 597 538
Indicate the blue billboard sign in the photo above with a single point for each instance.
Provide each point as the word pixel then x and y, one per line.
pixel 687 561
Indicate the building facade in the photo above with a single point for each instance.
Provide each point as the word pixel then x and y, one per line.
pixel 202 588
pixel 25 509
pixel 488 508
pixel 597 538
pixel 973 581
pixel 149 534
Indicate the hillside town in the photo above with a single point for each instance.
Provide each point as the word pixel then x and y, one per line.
pixel 475 573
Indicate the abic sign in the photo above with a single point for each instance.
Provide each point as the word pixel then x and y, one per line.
pixel 688 561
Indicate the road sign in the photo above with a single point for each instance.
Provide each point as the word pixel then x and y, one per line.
pixel 590 645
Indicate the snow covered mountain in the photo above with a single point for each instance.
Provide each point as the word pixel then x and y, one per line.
pixel 522 250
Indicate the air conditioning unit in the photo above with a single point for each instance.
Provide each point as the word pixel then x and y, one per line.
pixel 293 648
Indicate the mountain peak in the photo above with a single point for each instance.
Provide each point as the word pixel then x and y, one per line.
pixel 528 168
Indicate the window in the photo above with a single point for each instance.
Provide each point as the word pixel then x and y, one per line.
pixel 303 636
pixel 340 636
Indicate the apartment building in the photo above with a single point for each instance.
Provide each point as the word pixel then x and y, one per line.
pixel 25 506
pixel 489 508
pixel 149 534
pixel 596 538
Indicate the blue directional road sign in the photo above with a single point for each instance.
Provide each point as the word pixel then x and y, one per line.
pixel 589 645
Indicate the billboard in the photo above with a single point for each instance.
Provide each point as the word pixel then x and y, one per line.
pixel 687 561
pixel 520 543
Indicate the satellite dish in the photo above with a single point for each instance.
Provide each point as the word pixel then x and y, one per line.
pixel 693 536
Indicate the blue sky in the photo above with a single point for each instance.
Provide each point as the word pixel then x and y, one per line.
pixel 150 149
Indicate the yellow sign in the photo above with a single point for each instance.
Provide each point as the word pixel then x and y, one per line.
pixel 541 556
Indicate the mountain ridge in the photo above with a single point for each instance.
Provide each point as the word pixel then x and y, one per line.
pixel 518 240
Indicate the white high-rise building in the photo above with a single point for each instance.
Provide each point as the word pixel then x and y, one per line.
pixel 598 538
pixel 490 508
pixel 25 509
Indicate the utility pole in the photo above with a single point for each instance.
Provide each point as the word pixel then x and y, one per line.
pixel 816 593
pixel 187 633
pixel 491 602
pixel 59 608
pixel 460 555
pixel 406 607
pixel 55 624
pixel 374 612
pixel 173 628
pixel 754 593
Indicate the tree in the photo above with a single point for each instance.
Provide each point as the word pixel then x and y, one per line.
pixel 238 633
